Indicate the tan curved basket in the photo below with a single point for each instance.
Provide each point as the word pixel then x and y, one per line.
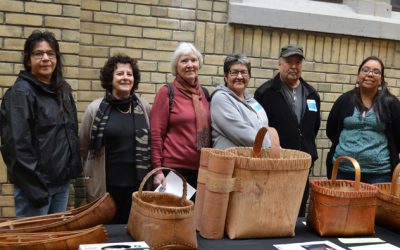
pixel 271 183
pixel 162 220
pixel 100 211
pixel 388 205
pixel 342 207
pixel 66 240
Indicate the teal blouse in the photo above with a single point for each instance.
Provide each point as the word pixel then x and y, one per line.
pixel 363 138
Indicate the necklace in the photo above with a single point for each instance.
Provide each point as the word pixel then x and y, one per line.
pixel 125 112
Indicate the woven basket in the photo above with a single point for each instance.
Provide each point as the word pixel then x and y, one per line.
pixel 271 183
pixel 201 185
pixel 66 240
pixel 342 207
pixel 388 204
pixel 218 186
pixel 162 220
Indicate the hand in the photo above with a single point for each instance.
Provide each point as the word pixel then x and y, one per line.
pixel 158 179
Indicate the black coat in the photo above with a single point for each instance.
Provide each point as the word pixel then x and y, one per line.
pixel 281 116
pixel 40 143
pixel 344 107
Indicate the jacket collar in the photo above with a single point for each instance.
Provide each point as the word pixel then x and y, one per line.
pixel 277 85
pixel 29 77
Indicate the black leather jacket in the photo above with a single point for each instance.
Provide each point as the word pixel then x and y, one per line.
pixel 40 143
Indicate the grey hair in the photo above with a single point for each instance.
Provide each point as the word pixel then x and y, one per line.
pixel 236 59
pixel 184 49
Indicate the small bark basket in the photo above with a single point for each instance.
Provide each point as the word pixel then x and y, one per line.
pixel 269 187
pixel 342 207
pixel 162 220
pixel 388 204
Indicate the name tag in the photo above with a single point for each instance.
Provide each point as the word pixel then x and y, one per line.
pixel 312 106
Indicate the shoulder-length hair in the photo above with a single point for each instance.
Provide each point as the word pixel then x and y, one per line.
pixel 58 83
pixel 107 72
pixel 184 49
pixel 382 98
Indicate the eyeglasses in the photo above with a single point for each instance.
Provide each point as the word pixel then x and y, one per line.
pixel 39 54
pixel 236 73
pixel 375 72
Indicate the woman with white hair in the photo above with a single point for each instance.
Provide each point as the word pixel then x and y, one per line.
pixel 180 122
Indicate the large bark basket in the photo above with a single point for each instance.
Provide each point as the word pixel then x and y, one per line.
pixel 388 203
pixel 100 211
pixel 270 185
pixel 162 220
pixel 342 207
pixel 65 240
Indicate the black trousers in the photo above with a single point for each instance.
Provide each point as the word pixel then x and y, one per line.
pixel 123 200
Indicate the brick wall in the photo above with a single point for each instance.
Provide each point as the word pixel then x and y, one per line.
pixel 90 31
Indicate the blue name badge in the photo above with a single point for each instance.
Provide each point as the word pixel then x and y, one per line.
pixel 312 106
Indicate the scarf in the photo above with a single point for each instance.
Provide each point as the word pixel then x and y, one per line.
pixel 101 119
pixel 193 91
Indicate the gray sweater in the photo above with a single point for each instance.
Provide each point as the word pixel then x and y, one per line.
pixel 235 122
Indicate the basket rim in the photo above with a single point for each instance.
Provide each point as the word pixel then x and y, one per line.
pixel 187 206
pixel 322 187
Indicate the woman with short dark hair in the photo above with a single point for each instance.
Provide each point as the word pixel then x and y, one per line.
pixel 115 136
pixel 236 116
pixel 39 130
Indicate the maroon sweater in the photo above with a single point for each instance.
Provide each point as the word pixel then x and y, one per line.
pixel 173 134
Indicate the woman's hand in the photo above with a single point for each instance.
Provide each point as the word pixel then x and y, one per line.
pixel 158 179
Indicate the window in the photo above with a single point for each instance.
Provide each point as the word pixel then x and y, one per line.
pixel 330 1
pixel 396 5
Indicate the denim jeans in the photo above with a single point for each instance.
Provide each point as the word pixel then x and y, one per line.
pixel 58 201
pixel 366 178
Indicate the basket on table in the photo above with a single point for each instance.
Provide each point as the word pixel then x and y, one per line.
pixel 388 204
pixel 271 183
pixel 342 207
pixel 162 220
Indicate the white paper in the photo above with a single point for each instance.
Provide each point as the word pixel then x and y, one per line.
pixel 139 245
pixel 386 246
pixel 323 245
pixel 360 240
pixel 175 186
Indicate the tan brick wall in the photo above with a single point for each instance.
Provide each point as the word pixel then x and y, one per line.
pixel 90 31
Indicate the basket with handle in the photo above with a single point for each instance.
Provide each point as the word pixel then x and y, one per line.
pixel 162 220
pixel 342 207
pixel 388 203
pixel 270 186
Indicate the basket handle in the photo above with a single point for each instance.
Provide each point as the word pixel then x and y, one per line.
pixel 275 151
pixel 149 174
pixel 356 166
pixel 395 178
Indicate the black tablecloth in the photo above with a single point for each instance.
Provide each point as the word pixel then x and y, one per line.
pixel 118 233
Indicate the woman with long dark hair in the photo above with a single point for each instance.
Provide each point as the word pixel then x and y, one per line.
pixel 364 124
pixel 39 130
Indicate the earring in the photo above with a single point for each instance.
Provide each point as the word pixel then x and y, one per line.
pixel 380 88
pixel 357 85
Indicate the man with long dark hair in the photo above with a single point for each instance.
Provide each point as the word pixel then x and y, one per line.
pixel 40 144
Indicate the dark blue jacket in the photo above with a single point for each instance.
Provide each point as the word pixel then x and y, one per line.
pixel 40 143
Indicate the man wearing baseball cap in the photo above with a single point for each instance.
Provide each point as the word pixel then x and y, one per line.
pixel 292 107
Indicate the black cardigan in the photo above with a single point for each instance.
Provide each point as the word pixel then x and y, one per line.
pixel 344 107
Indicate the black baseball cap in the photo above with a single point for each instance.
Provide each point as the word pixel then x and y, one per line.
pixel 290 50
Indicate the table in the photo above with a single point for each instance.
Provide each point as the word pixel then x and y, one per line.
pixel 118 233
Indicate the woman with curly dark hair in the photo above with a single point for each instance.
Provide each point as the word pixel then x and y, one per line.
pixel 115 136
pixel 39 129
